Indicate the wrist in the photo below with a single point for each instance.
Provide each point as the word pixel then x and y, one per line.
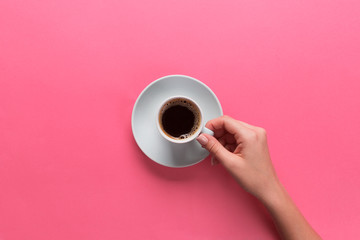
pixel 274 195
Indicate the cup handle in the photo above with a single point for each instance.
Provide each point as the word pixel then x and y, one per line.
pixel 207 131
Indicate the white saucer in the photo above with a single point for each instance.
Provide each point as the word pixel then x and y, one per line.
pixel 144 115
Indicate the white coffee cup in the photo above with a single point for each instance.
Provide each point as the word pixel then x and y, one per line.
pixel 197 128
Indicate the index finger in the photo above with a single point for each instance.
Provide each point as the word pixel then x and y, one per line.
pixel 225 124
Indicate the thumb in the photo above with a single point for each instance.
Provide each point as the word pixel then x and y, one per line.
pixel 214 147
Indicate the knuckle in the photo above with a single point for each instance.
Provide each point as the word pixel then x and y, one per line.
pixel 262 132
pixel 251 136
pixel 258 134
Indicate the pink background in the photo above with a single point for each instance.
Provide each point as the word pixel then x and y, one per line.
pixel 70 72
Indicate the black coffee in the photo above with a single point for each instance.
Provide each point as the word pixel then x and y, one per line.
pixel 179 118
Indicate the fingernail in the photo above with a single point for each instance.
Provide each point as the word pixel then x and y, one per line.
pixel 214 161
pixel 202 140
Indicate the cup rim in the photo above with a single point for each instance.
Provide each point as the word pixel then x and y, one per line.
pixel 186 140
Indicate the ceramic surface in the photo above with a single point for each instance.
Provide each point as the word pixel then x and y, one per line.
pixel 144 114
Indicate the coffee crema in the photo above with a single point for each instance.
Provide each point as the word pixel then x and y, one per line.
pixel 179 118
